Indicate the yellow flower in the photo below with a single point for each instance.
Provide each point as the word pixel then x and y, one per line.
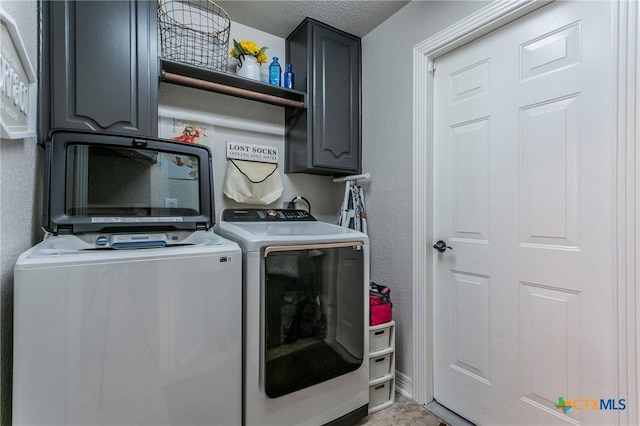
pixel 248 48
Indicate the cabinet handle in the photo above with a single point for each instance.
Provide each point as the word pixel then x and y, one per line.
pixel 380 359
pixel 379 332
pixel 379 387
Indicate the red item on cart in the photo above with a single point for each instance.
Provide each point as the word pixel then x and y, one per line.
pixel 380 310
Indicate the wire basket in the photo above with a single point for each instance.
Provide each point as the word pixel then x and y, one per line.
pixel 194 32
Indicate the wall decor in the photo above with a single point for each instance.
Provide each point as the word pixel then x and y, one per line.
pixel 182 126
pixel 252 152
pixel 252 173
pixel 18 85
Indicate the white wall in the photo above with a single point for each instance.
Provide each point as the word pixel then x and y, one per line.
pixel 20 204
pixel 387 100
pixel 242 120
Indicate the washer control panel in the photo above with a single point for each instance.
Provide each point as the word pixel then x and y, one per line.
pixel 266 215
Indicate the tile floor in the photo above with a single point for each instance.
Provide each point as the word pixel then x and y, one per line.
pixel 404 411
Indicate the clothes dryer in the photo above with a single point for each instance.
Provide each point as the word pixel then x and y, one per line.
pixel 305 318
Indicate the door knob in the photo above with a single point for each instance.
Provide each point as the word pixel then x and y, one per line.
pixel 441 246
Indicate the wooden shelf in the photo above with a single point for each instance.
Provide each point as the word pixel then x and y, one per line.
pixel 229 84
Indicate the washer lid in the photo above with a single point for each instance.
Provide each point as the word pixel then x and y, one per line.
pixel 100 182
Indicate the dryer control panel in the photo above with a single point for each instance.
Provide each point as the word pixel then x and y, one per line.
pixel 266 215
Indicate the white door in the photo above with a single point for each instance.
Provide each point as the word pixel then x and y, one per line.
pixel 523 179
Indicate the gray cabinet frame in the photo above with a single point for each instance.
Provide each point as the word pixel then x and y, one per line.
pixel 99 66
pixel 326 138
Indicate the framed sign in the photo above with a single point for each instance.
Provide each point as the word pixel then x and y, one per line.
pixel 252 152
pixel 18 86
pixel 184 126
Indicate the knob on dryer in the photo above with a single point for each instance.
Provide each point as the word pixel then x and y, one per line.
pixel 272 214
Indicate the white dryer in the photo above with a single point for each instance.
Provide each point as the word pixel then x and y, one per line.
pixel 305 318
pixel 130 313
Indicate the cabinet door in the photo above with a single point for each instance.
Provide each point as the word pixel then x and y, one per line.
pixel 104 66
pixel 336 100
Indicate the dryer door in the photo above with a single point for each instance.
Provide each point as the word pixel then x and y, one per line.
pixel 313 315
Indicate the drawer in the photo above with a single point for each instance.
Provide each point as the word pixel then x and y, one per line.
pixel 380 393
pixel 380 336
pixel 380 364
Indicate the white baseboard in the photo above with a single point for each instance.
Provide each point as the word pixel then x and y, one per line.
pixel 404 384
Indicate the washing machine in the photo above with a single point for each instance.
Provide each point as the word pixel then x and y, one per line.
pixel 129 311
pixel 305 322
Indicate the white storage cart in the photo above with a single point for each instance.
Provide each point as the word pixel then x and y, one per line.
pixel 382 345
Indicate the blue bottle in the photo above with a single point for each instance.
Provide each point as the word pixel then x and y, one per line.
pixel 288 77
pixel 274 72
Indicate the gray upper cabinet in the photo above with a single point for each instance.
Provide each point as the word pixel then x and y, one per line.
pixel 324 138
pixel 103 66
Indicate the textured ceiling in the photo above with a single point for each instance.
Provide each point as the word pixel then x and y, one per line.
pixel 281 17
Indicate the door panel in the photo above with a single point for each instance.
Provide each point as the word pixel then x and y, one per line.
pixel 549 188
pixel 550 361
pixel 470 316
pixel 523 154
pixel 470 171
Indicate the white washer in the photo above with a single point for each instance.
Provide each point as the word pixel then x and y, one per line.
pixel 122 337
pixel 305 316
pixel 129 312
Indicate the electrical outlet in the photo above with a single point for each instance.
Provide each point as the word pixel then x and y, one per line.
pixel 171 203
